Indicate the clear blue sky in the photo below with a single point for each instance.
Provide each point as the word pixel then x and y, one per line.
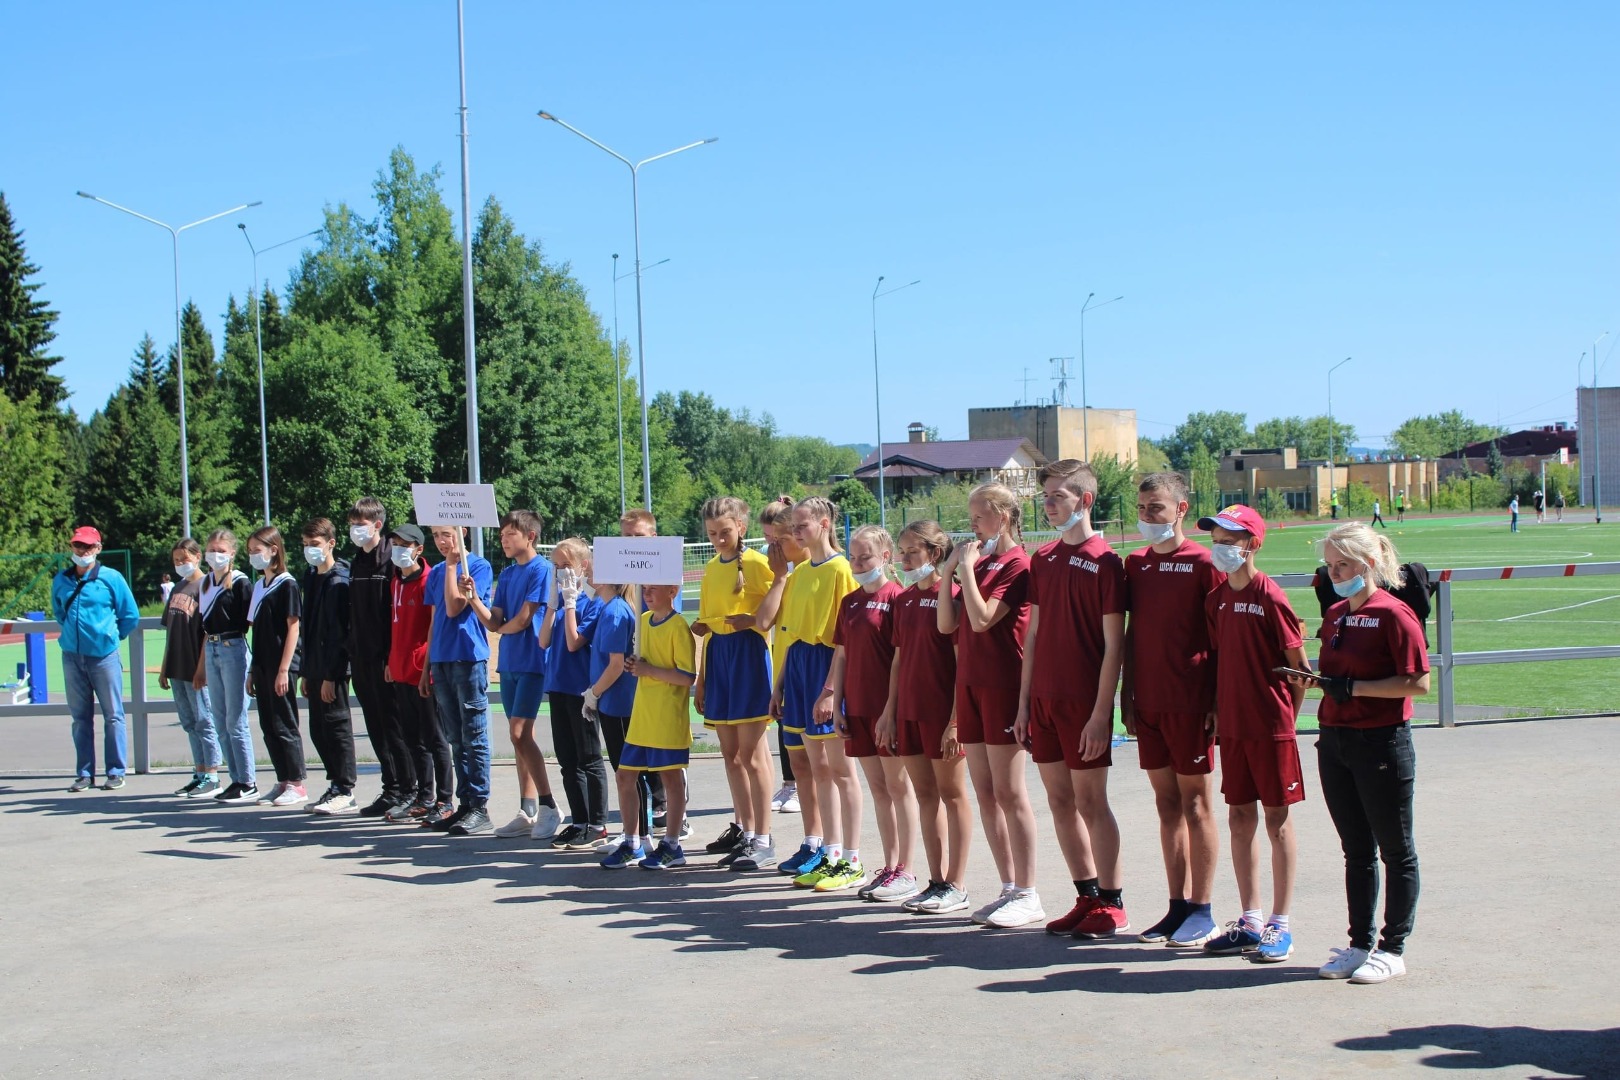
pixel 1431 189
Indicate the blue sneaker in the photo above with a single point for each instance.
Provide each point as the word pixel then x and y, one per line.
pixel 1276 945
pixel 664 856
pixel 1238 938
pixel 622 856
pixel 807 859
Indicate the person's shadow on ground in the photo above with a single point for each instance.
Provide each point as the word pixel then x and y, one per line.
pixel 1590 1054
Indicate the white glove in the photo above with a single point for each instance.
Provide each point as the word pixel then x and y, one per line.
pixel 568 582
pixel 592 698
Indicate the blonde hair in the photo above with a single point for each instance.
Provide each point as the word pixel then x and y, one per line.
pixel 576 551
pixel 1000 498
pixel 775 510
pixel 1367 547
pixel 729 508
pixel 934 539
pixel 818 507
pixel 878 537
pixel 222 536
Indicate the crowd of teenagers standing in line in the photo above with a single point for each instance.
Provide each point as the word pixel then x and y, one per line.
pixel 941 683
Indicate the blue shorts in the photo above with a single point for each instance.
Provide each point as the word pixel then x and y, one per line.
pixel 736 679
pixel 637 758
pixel 521 692
pixel 803 676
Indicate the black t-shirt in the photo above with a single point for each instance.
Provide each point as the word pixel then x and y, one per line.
pixel 270 626
pixel 225 610
pixel 183 622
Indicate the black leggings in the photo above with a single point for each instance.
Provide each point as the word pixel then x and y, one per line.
pixel 578 743
pixel 1367 780
pixel 787 759
pixel 278 720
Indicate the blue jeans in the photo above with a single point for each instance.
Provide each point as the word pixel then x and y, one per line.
pixel 461 689
pixel 197 721
pixel 226 663
pixel 90 679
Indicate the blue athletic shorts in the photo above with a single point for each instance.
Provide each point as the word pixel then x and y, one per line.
pixel 637 758
pixel 803 676
pixel 736 679
pixel 521 693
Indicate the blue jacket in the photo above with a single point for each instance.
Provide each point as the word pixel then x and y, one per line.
pixel 102 616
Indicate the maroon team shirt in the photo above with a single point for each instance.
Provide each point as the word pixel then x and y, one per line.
pixel 927 657
pixel 865 629
pixel 1170 657
pixel 1250 630
pixel 1380 639
pixel 1074 586
pixel 995 658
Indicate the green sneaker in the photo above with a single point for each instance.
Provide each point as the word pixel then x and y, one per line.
pixel 845 875
pixel 812 877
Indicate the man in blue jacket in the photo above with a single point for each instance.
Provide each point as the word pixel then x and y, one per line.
pixel 97 611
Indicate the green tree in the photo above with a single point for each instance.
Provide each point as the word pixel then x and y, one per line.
pixel 1149 458
pixel 37 502
pixel 1116 489
pixel 1214 432
pixel 853 498
pixel 26 324
pixel 1495 464
pixel 1443 433
pixel 1313 437
pixel 1202 473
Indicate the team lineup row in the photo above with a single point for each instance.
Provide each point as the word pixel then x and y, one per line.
pixel 980 655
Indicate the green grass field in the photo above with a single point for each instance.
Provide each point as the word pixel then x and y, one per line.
pixel 1535 613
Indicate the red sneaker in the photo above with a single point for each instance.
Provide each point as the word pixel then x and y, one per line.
pixel 1102 921
pixel 1065 924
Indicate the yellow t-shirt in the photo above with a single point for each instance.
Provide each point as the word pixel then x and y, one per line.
pixel 660 718
pixel 718 596
pixel 810 604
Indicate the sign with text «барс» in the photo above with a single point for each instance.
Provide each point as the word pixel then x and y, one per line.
pixel 456 504
pixel 637 560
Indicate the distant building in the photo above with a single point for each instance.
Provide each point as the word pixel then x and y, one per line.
pixel 1060 431
pixel 1554 444
pixel 918 464
pixel 1598 419
pixel 1308 486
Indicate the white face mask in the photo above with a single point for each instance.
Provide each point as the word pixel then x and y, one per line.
pixel 1153 532
pixel 1074 519
pixel 988 546
pixel 84 560
pixel 315 556
pixel 911 577
pixel 259 560
pixel 219 560
pixel 871 577
pixel 1229 558
pixel 184 570
pixel 403 557
pixel 360 534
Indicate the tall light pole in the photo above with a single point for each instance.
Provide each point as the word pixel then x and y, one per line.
pixel 258 338
pixel 1597 439
pixel 1333 472
pixel 877 391
pixel 469 349
pixel 1580 434
pixel 1085 405
pixel 179 340
pixel 618 375
pixel 635 217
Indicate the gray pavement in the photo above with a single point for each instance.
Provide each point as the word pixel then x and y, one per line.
pixel 141 936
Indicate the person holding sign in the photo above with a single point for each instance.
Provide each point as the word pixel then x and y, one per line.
pixel 660 736
pixel 458 671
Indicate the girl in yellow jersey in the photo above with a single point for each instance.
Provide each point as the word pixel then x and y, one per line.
pixel 734 687
pixel 809 614
pixel 783 553
pixel 660 735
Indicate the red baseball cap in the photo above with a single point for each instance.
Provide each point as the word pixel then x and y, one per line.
pixel 84 534
pixel 1237 518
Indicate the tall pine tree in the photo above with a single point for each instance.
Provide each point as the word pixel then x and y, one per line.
pixel 25 324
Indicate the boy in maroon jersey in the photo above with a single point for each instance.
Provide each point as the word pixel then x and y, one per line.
pixel 1253 631
pixel 1073 650
pixel 1168 700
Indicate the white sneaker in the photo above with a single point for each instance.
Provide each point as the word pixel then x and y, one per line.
pixel 334 803
pixel 1343 963
pixel 546 823
pixel 291 795
pixel 1380 967
pixel 982 916
pixel 783 794
pixel 518 826
pixel 1022 908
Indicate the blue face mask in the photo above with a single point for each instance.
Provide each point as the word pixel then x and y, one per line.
pixel 1228 558
pixel 1351 587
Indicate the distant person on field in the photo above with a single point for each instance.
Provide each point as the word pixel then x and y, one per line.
pixel 1513 514
pixel 166 586
pixel 1539 500
pixel 1558 504
pixel 1378 517
pixel 1335 507
pixel 97 611
pixel 1400 506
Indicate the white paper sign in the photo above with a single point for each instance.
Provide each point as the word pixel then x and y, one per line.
pixel 637 560
pixel 456 504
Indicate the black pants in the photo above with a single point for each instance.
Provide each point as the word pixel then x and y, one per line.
pixel 578 743
pixel 787 759
pixel 332 732
pixel 278 721
pixel 381 713
pixel 1378 519
pixel 1367 779
pixel 655 788
pixel 614 730
pixel 431 763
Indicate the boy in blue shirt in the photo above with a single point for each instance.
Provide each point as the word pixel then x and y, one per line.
pixel 97 611
pixel 458 671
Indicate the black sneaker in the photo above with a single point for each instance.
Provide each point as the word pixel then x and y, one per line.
pixel 185 792
pixel 472 823
pixel 660 820
pixel 742 847
pixel 727 840
pixel 445 824
pixel 379 806
pixel 405 812
pixel 81 783
pixel 239 794
pixel 113 783
pixel 568 836
pixel 437 813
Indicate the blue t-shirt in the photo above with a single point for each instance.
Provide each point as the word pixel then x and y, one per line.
pixel 615 633
pixel 462 637
pixel 570 672
pixel 519 585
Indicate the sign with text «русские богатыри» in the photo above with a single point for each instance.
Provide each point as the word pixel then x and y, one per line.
pixel 637 560
pixel 456 504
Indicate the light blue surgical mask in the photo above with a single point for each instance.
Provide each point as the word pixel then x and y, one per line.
pixel 1229 558
pixel 84 560
pixel 911 577
pixel 1351 587
pixel 1155 533
pixel 1074 519
pixel 988 546
pixel 402 556
pixel 871 577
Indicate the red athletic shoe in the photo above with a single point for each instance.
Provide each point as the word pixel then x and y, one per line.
pixel 1066 924
pixel 1102 921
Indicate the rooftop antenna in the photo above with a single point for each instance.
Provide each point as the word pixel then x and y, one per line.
pixel 1060 375
pixel 1026 380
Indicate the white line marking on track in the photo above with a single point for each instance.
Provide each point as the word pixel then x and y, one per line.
pixel 1566 607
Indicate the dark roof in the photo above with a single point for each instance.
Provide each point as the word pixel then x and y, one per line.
pixel 952 455
pixel 1521 444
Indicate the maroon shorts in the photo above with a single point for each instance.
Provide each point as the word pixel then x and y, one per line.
pixel 923 737
pixel 1054 733
pixel 1261 770
pixel 861 742
pixel 985 714
pixel 1174 740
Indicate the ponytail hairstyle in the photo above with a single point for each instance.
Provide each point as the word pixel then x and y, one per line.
pixel 222 536
pixel 819 507
pixel 1367 547
pixel 878 537
pixel 269 536
pixel 999 498
pixel 730 508
pixel 775 510
pixel 935 540
pixel 577 552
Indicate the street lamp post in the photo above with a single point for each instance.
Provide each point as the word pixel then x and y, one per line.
pixel 1597 439
pixel 1333 472
pixel 179 340
pixel 258 338
pixel 1085 405
pixel 618 375
pixel 877 392
pixel 635 217
pixel 469 345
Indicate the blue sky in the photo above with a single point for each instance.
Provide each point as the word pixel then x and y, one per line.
pixel 1430 189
